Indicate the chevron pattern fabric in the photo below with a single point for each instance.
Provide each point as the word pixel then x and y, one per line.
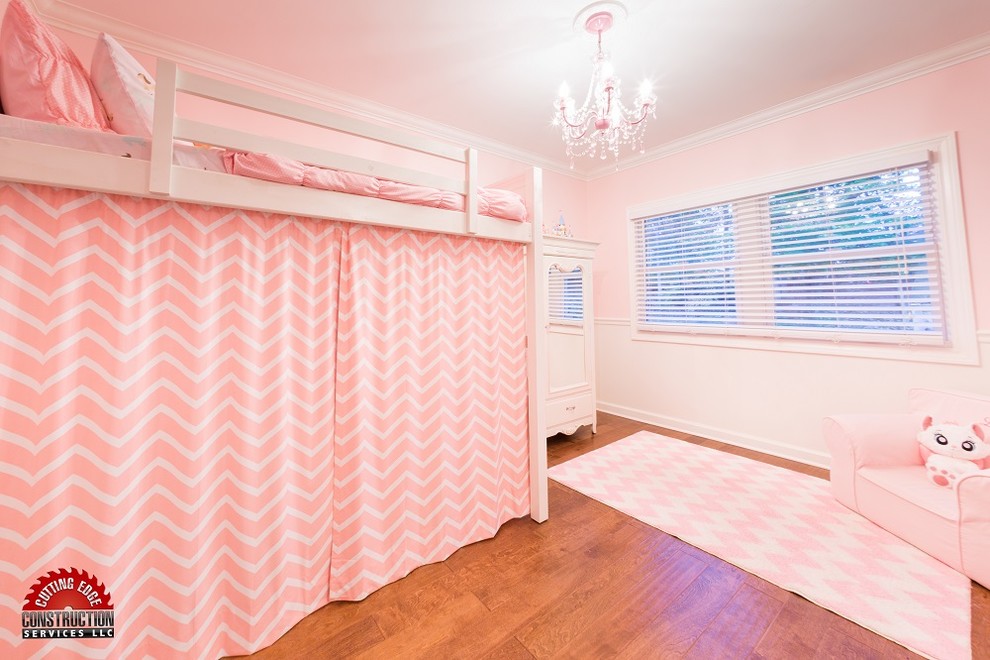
pixel 168 399
pixel 786 528
pixel 167 416
pixel 431 447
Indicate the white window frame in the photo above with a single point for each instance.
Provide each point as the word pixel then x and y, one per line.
pixel 962 347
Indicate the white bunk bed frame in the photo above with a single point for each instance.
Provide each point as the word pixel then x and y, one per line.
pixel 30 162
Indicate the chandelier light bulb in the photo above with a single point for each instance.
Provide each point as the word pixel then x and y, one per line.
pixel 645 89
pixel 602 124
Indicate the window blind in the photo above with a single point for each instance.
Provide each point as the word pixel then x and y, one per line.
pixel 849 259
pixel 566 295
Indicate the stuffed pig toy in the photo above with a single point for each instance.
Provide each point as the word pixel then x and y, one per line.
pixel 951 450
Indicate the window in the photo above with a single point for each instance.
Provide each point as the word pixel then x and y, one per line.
pixel 689 277
pixel 851 252
pixel 858 255
pixel 566 299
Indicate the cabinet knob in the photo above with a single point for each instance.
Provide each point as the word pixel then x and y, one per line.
pixel 570 407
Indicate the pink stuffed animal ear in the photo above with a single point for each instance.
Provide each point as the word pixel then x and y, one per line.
pixel 924 451
pixel 978 430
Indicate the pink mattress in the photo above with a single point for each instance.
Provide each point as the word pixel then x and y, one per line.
pixel 85 139
pixel 492 202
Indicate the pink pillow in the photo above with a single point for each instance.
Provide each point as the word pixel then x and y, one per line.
pixel 124 86
pixel 502 204
pixel 41 78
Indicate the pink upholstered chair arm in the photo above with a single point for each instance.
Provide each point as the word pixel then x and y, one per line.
pixel 974 525
pixel 856 441
pixel 974 498
pixel 874 440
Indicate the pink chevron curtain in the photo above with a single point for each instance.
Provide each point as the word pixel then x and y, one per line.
pixel 189 414
pixel 166 404
pixel 431 449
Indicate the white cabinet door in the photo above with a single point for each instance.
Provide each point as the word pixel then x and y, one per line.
pixel 569 325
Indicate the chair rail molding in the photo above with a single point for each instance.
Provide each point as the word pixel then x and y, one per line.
pixel 619 321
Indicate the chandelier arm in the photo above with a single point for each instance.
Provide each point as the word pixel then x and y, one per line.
pixel 589 98
pixel 642 117
pixel 578 125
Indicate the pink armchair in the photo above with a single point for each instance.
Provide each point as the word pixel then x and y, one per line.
pixel 878 472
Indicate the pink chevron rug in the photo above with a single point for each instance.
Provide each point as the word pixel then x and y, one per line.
pixel 786 528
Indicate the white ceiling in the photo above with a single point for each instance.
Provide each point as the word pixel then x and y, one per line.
pixel 491 68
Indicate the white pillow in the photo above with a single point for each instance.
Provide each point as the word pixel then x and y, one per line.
pixel 125 87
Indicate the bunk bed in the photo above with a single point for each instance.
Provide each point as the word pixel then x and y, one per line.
pixel 239 596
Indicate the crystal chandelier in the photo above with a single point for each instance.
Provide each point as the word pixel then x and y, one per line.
pixel 603 123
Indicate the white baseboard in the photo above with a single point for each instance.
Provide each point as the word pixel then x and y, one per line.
pixel 807 456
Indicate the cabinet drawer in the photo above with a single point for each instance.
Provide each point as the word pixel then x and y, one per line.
pixel 570 408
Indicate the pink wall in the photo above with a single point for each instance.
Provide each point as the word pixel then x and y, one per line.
pixel 563 193
pixel 953 99
pixel 764 398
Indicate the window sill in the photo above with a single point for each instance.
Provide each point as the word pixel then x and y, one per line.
pixel 965 351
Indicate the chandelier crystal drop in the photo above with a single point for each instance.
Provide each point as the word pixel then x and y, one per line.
pixel 603 123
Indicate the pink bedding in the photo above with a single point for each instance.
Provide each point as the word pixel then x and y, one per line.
pixel 491 201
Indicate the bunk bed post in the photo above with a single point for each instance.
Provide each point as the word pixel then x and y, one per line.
pixel 471 164
pixel 163 128
pixel 536 356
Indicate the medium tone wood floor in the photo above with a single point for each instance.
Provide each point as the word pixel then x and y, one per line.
pixel 591 583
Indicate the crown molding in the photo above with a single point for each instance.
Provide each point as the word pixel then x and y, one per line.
pixel 71 18
pixel 892 75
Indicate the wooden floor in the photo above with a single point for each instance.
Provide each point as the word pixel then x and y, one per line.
pixel 591 583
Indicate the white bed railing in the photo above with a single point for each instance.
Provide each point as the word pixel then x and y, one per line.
pixel 168 127
pixel 61 166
